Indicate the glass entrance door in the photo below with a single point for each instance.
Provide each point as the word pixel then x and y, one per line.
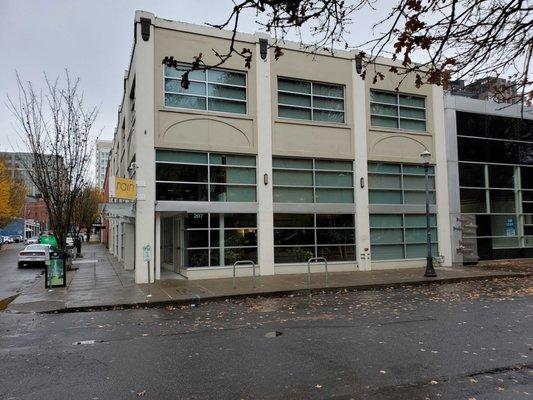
pixel 179 242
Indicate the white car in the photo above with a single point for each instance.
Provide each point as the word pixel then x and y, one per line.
pixel 34 254
pixel 8 239
pixel 31 240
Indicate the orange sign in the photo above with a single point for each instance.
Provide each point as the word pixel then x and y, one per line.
pixel 123 188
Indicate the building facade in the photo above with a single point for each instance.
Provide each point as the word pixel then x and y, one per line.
pixel 102 150
pixel 35 210
pixel 490 167
pixel 278 163
pixel 18 164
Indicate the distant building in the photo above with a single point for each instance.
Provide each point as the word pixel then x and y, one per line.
pixel 36 210
pixel 17 164
pixel 497 89
pixel 103 148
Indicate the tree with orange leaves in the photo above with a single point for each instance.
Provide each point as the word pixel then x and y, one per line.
pixel 12 195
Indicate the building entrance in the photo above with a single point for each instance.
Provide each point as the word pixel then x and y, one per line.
pixel 173 242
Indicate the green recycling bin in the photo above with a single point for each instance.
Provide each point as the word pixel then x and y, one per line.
pixel 56 269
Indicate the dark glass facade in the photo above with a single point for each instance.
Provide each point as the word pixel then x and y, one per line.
pixel 496 183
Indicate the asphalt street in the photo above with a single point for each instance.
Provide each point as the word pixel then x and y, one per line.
pixel 12 278
pixel 471 340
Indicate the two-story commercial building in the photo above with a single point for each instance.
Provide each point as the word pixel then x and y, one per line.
pixel 278 163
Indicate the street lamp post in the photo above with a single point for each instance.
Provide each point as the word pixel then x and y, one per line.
pixel 425 157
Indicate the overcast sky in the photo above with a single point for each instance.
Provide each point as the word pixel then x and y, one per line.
pixel 93 39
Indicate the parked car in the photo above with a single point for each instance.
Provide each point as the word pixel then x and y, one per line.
pixel 33 255
pixel 31 240
pixel 8 239
pixel 17 238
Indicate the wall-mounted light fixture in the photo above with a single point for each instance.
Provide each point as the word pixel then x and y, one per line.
pixel 362 182
pixel 263 47
pixel 359 62
pixel 265 179
pixel 145 28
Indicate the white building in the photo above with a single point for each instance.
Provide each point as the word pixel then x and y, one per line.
pixel 275 163
pixel 284 161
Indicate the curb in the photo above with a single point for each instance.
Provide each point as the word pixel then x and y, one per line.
pixel 282 293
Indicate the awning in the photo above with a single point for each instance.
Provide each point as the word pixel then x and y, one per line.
pixel 118 209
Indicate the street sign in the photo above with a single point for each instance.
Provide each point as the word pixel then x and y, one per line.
pixel 147 253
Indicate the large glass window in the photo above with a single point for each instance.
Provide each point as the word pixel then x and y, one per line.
pixel 302 180
pixel 310 100
pixel 211 90
pixel 298 237
pixel 401 236
pixel 190 176
pixel 397 110
pixel 215 240
pixel 399 184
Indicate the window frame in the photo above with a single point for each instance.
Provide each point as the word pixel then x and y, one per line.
pixel 209 229
pixel 402 189
pixel 311 96
pixel 314 170
pixel 315 245
pixel 398 116
pixel 206 95
pixel 208 182
pixel 404 243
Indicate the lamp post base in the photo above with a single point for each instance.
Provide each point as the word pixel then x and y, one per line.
pixel 430 270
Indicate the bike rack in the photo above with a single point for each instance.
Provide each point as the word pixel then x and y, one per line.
pixel 315 259
pixel 243 262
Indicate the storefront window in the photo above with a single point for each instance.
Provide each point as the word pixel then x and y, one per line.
pixel 401 236
pixel 215 240
pixel 298 237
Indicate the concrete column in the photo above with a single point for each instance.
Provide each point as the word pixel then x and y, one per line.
pixel 441 176
pixel 362 220
pixel 452 157
pixel 144 149
pixel 265 218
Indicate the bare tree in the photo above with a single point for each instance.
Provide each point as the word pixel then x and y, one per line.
pixel 56 127
pixel 455 39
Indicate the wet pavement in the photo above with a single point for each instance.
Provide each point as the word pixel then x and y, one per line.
pixel 14 280
pixel 468 340
pixel 101 281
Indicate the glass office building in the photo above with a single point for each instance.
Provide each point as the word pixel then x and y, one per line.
pixel 495 180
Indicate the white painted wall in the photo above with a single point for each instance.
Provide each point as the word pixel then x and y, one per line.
pixel 265 218
pixel 441 176
pixel 144 151
pixel 362 219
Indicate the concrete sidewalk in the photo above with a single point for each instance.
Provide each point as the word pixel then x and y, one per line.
pixel 102 282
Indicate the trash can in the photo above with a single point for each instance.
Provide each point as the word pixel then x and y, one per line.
pixel 56 269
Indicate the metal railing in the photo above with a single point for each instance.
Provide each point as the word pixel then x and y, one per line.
pixel 243 262
pixel 314 260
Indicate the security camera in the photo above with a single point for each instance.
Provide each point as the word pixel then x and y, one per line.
pixel 133 166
